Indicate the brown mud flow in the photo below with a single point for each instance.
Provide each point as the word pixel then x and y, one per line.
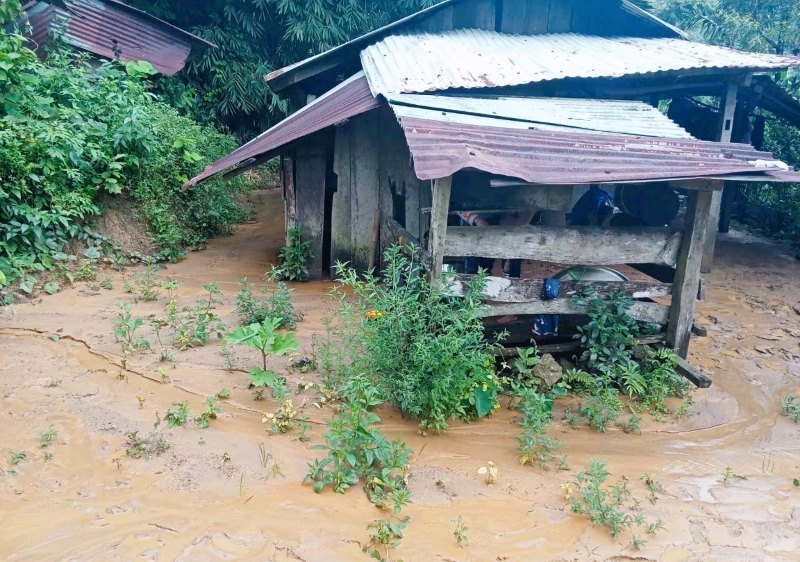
pixel 212 496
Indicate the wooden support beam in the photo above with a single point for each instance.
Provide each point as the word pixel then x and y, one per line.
pixel 727 112
pixel 651 312
pixel 689 372
pixel 438 232
pixel 509 290
pixel 687 274
pixel 585 245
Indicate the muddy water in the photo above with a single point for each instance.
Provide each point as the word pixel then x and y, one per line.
pixel 210 497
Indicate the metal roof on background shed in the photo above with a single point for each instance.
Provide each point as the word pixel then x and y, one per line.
pixel 440 149
pixel 113 30
pixel 557 114
pixel 474 58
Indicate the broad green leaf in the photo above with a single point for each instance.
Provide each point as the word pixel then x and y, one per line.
pixel 483 402
pixel 260 377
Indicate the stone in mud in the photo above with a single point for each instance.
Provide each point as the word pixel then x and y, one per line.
pixel 548 370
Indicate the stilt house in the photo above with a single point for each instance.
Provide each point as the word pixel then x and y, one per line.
pixel 516 105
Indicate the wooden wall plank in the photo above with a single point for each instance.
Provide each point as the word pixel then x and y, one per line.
pixel 514 16
pixel 687 274
pixel 566 245
pixel 441 20
pixel 341 235
pixel 287 168
pixel 537 16
pixel 310 176
pixel 438 236
pixel 651 312
pixel 559 18
pixel 509 290
pixel 475 14
pixel 365 184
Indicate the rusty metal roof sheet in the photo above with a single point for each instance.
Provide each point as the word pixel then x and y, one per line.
pixel 284 75
pixel 440 148
pixel 352 97
pixel 112 29
pixel 474 58
pixel 545 114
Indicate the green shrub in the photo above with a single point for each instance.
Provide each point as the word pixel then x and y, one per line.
pixel 423 349
pixel 277 303
pixel 72 132
pixel 294 257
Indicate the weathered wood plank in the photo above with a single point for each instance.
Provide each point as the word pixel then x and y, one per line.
pixel 560 17
pixel 287 167
pixel 514 16
pixel 341 235
pixel 365 181
pixel 687 274
pixel 478 14
pixel 438 235
pixel 310 177
pixel 652 312
pixel 696 376
pixel 508 290
pixel 570 346
pixel 727 113
pixel 537 16
pixel 566 245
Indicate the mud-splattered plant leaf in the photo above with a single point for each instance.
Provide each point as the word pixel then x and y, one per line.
pixel 260 377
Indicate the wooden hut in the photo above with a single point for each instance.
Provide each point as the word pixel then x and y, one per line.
pixel 498 105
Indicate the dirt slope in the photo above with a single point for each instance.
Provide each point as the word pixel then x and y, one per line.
pixel 210 498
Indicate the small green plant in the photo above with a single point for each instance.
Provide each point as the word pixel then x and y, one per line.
pixel 125 328
pixel 791 407
pixel 384 536
pixel 267 341
pixel 195 325
pixel 107 283
pixel 16 457
pixel 460 531
pixel 605 506
pixel 51 288
pixel 46 437
pixel 179 416
pixel 653 486
pixel 147 284
pixel 138 447
pixel 47 455
pixel 277 303
pixel 228 356
pixel 87 270
pixel 224 393
pixel 212 410
pixel 535 448
pixel 356 450
pixel 294 257
pixel 286 418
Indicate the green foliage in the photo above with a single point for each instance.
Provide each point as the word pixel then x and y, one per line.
pixel 265 339
pixel 611 333
pixel 605 506
pixel 178 417
pixel 385 535
pixel 791 407
pixel 16 457
pixel 212 410
pixel 72 133
pixel 286 418
pixel 294 257
pixel 460 531
pixel 138 447
pixel 125 331
pixel 535 448
pixel 356 450
pixel 276 304
pixel 423 349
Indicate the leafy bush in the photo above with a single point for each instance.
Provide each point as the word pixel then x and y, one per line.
pixel 791 407
pixel 277 303
pixel 72 133
pixel 423 349
pixel 294 257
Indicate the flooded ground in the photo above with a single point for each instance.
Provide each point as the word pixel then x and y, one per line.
pixel 213 497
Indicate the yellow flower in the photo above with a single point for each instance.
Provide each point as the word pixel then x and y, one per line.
pixel 373 314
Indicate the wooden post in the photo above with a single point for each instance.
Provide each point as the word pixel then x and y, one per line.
pixel 687 274
pixel 439 210
pixel 727 112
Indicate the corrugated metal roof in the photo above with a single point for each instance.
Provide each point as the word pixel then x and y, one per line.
pixel 284 74
pixel 473 58
pixel 113 30
pixel 348 99
pixel 545 114
pixel 440 149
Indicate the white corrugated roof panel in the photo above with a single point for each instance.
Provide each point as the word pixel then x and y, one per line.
pixel 474 58
pixel 546 114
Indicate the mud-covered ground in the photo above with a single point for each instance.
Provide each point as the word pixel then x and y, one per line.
pixel 210 497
